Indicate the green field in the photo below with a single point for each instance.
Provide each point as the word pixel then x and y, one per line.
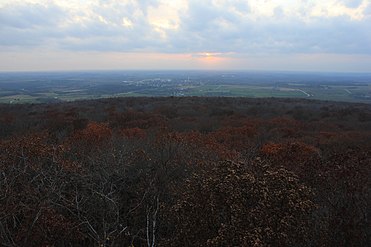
pixel 333 93
pixel 61 87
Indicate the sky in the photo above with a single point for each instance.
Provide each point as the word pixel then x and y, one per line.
pixel 283 35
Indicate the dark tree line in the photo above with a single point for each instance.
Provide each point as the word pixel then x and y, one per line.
pixel 185 172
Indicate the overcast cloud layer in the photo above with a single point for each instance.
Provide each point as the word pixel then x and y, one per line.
pixel 225 33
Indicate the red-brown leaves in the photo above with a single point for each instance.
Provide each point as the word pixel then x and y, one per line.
pixel 290 151
pixel 99 168
pixel 90 138
pixel 134 133
pixel 94 133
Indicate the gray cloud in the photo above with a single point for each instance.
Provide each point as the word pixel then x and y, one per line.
pixel 352 3
pixel 29 25
pixel 203 30
pixel 367 10
pixel 28 16
pixel 206 26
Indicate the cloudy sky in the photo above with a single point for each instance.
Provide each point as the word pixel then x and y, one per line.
pixel 298 35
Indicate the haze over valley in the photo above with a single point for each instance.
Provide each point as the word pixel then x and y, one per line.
pixel 44 87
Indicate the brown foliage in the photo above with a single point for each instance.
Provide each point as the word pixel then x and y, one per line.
pixel 107 172
pixel 235 204
pixel 133 133
pixel 290 151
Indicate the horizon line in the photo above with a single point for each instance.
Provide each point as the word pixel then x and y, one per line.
pixel 187 70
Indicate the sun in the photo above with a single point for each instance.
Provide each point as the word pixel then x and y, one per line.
pixel 209 59
pixel 209 56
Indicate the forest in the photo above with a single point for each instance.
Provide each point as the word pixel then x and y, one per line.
pixel 185 171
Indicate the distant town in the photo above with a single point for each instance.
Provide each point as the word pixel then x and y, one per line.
pixel 69 86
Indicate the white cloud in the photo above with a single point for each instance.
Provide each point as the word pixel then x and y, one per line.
pixel 231 27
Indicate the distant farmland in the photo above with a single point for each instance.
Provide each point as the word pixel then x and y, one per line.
pixel 70 86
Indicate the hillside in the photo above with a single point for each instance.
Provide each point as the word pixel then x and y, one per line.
pixel 187 171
